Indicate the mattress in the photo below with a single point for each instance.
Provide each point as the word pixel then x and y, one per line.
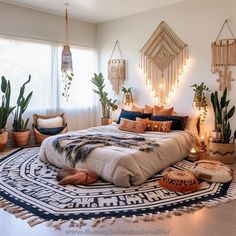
pixel 124 166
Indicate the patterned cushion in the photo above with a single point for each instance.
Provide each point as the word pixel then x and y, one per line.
pixel 158 126
pixel 180 181
pixel 131 115
pixel 212 171
pixel 160 111
pixel 178 122
pixel 137 109
pixel 133 126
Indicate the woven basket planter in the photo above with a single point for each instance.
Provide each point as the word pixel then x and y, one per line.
pixel 223 152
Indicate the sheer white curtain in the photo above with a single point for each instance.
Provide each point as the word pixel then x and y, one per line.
pixel 81 107
pixel 19 58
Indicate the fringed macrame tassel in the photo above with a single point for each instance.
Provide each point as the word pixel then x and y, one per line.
pixel 81 223
pixel 134 219
pixel 26 216
pixel 37 222
pixel 57 225
pixel 98 221
pixel 113 219
pixel 21 214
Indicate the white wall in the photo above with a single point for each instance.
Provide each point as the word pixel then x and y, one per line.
pixel 197 23
pixel 36 24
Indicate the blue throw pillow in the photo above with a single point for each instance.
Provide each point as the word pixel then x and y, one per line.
pixel 50 131
pixel 131 115
pixel 178 122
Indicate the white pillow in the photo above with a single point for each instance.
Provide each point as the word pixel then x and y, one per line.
pixel 50 123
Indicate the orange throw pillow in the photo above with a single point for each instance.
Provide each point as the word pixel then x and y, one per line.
pixel 158 111
pixel 137 109
pixel 148 109
pixel 158 126
pixel 132 126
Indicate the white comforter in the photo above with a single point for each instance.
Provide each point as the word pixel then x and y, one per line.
pixel 123 166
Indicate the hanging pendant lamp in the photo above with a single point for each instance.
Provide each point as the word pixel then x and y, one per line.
pixel 66 57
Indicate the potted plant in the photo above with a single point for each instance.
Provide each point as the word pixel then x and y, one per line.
pixel 108 105
pixel 222 146
pixel 5 111
pixel 20 132
pixel 200 98
pixel 127 98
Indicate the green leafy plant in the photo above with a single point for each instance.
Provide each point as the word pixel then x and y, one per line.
pixel 67 78
pixel 5 109
pixel 126 90
pixel 200 98
pixel 222 114
pixel 19 125
pixel 108 105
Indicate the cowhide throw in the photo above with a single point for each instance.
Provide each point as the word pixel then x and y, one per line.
pixel 77 148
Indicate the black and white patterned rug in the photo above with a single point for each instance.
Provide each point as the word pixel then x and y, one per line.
pixel 28 186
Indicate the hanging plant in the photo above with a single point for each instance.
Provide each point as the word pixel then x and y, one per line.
pixel 200 99
pixel 67 78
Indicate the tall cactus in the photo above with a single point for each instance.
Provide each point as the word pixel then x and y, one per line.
pixel 5 109
pixel 19 125
pixel 222 115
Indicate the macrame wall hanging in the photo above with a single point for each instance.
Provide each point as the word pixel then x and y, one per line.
pixel 223 56
pixel 162 60
pixel 116 70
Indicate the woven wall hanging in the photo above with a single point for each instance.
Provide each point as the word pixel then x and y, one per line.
pixel 162 60
pixel 223 56
pixel 116 70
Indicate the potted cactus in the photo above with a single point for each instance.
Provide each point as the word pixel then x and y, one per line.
pixel 5 111
pixel 20 132
pixel 222 145
pixel 108 105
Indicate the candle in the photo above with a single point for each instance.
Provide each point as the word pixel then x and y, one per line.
pixel 193 150
pixel 202 140
pixel 192 155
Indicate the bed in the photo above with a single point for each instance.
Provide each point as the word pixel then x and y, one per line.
pixel 120 165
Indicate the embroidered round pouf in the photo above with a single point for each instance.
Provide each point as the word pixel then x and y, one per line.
pixel 212 171
pixel 180 181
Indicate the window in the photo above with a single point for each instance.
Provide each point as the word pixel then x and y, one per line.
pixel 20 57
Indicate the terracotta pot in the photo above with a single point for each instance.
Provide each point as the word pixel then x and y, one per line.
pixel 106 121
pixel 3 140
pixel 223 152
pixel 21 139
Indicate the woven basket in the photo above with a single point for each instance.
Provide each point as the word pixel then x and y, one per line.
pixel 223 152
pixel 39 137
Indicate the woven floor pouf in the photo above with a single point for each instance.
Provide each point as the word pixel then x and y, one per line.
pixel 212 171
pixel 180 181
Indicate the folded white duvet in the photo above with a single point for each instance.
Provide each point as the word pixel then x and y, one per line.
pixel 124 166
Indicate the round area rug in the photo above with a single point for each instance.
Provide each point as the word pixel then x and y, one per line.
pixel 29 187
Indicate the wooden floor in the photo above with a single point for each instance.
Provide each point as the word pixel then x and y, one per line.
pixel 216 221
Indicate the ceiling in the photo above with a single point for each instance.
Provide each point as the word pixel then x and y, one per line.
pixel 94 11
